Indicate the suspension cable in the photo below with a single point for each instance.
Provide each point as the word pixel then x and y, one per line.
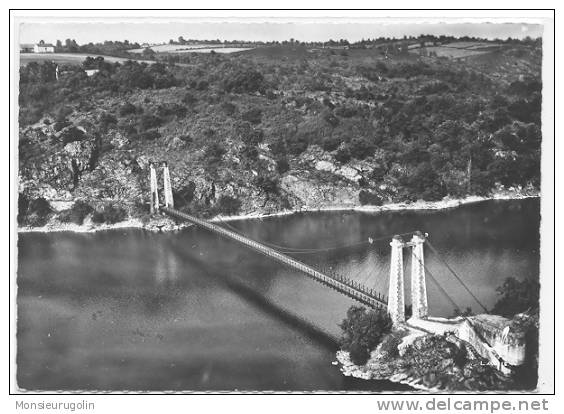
pixel 288 249
pixel 455 275
pixel 436 282
pixel 292 250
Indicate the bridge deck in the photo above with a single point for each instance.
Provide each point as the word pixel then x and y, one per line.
pixel 339 284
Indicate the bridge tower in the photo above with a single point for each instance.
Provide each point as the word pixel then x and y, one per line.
pixel 169 201
pixel 154 203
pixel 396 299
pixel 418 284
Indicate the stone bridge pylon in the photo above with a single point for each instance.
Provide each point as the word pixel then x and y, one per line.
pixel 168 198
pixel 396 296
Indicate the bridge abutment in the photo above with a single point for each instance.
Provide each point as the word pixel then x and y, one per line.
pixel 396 299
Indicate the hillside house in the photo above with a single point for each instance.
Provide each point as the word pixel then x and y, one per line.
pixel 91 72
pixel 43 48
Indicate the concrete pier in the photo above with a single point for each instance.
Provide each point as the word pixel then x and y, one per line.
pixel 396 296
pixel 154 203
pixel 419 305
pixel 169 200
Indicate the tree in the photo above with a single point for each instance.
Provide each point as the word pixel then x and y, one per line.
pixel 110 214
pixel 228 205
pixel 267 182
pixel 362 331
pixel 361 147
pixel 370 198
pixel 77 213
pixel 148 53
pixel 184 195
pixel 245 81
pixel 214 153
pixel 516 297
pixel 253 115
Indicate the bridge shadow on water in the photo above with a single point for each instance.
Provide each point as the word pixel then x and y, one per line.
pixel 305 327
pixel 262 303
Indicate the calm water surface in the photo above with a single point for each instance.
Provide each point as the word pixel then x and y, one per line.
pixel 129 309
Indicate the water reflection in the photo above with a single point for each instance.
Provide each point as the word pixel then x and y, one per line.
pixel 167 267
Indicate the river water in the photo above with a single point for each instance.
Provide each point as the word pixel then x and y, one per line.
pixel 134 310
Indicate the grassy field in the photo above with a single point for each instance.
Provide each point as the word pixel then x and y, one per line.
pixel 472 45
pixel 452 52
pixel 199 48
pixel 66 58
pixel 460 50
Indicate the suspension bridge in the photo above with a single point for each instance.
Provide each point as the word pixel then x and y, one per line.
pixel 394 302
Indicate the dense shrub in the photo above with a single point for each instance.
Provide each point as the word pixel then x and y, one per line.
pixel 245 81
pixel 189 99
pixel 186 138
pixel 331 143
pixel 254 116
pixel 72 134
pixel 33 212
pixel 128 109
pixel 184 195
pixel 23 205
pixel 109 214
pixel 150 135
pixel 389 345
pixel 149 121
pixel 331 119
pixel 202 85
pixel 251 136
pixel 60 125
pixel 362 331
pixel 214 152
pixel 105 120
pixel 77 213
pixel 297 144
pixel 267 182
pixel 343 154
pixel 361 147
pixel 347 111
pixel 171 109
pixel 282 165
pixel 228 205
pixel 30 115
pixel 229 108
pixel 369 198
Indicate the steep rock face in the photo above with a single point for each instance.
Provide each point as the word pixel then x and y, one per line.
pixel 313 193
pixel 117 177
pixel 50 169
pixel 54 170
pixel 111 168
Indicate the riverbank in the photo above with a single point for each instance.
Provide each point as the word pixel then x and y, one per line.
pixel 166 224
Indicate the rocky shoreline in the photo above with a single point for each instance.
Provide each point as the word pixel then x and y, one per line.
pixel 428 362
pixel 165 224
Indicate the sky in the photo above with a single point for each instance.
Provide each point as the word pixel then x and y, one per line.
pixel 84 31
